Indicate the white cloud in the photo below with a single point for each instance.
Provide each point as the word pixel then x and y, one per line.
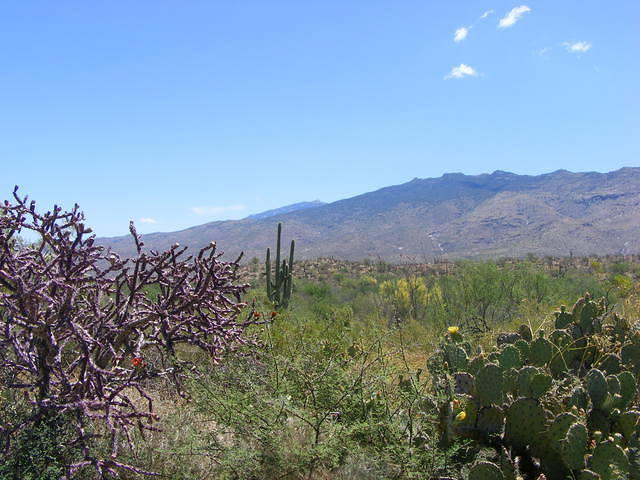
pixel 148 220
pixel 544 51
pixel 216 210
pixel 486 14
pixel 461 71
pixel 577 47
pixel 461 34
pixel 513 16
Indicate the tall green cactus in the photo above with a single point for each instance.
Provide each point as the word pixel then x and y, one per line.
pixel 279 291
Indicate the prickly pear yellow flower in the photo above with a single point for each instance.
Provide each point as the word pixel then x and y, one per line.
pixel 453 330
pixel 461 416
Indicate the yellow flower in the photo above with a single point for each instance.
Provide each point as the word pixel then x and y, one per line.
pixel 453 330
pixel 461 416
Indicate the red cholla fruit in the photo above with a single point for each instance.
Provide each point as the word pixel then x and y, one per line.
pixel 137 362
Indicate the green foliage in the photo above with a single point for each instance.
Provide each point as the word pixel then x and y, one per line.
pixel 620 268
pixel 317 290
pixel 584 369
pixel 317 397
pixel 622 284
pixel 41 452
pixel 411 298
pixel 334 388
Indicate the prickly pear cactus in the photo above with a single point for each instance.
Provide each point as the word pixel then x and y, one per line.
pixel 525 423
pixel 609 461
pixel 540 351
pixel 560 406
pixel 574 446
pixel 579 398
pixel 490 421
pixel 456 357
pixel 510 357
pixel 533 382
pixel 628 424
pixel 485 471
pixel 489 385
pixel 609 363
pixel 563 318
pixel 597 387
pixel 524 349
pixel 630 354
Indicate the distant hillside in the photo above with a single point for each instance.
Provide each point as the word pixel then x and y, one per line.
pixel 454 216
pixel 287 209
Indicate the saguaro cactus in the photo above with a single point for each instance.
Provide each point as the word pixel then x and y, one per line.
pixel 279 290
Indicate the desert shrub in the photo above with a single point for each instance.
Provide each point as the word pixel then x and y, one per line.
pixel 318 396
pixel 620 268
pixel 411 298
pixel 41 451
pixel 316 290
pixel 481 294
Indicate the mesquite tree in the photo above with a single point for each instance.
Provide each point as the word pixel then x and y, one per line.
pixel 80 333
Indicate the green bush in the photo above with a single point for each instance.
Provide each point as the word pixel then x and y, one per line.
pixel 41 452
pixel 317 398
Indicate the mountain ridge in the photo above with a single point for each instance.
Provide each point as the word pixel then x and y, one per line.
pixel 452 216
pixel 287 209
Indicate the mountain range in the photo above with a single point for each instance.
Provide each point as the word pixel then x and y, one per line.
pixel 453 216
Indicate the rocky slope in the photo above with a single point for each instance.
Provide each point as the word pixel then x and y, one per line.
pixel 454 216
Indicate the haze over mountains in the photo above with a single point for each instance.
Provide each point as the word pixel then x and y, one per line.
pixel 453 216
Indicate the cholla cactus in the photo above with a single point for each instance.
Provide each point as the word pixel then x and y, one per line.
pixel 79 331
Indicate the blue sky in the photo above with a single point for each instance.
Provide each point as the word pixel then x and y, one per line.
pixel 176 113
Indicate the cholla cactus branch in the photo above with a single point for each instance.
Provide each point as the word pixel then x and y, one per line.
pixel 79 332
